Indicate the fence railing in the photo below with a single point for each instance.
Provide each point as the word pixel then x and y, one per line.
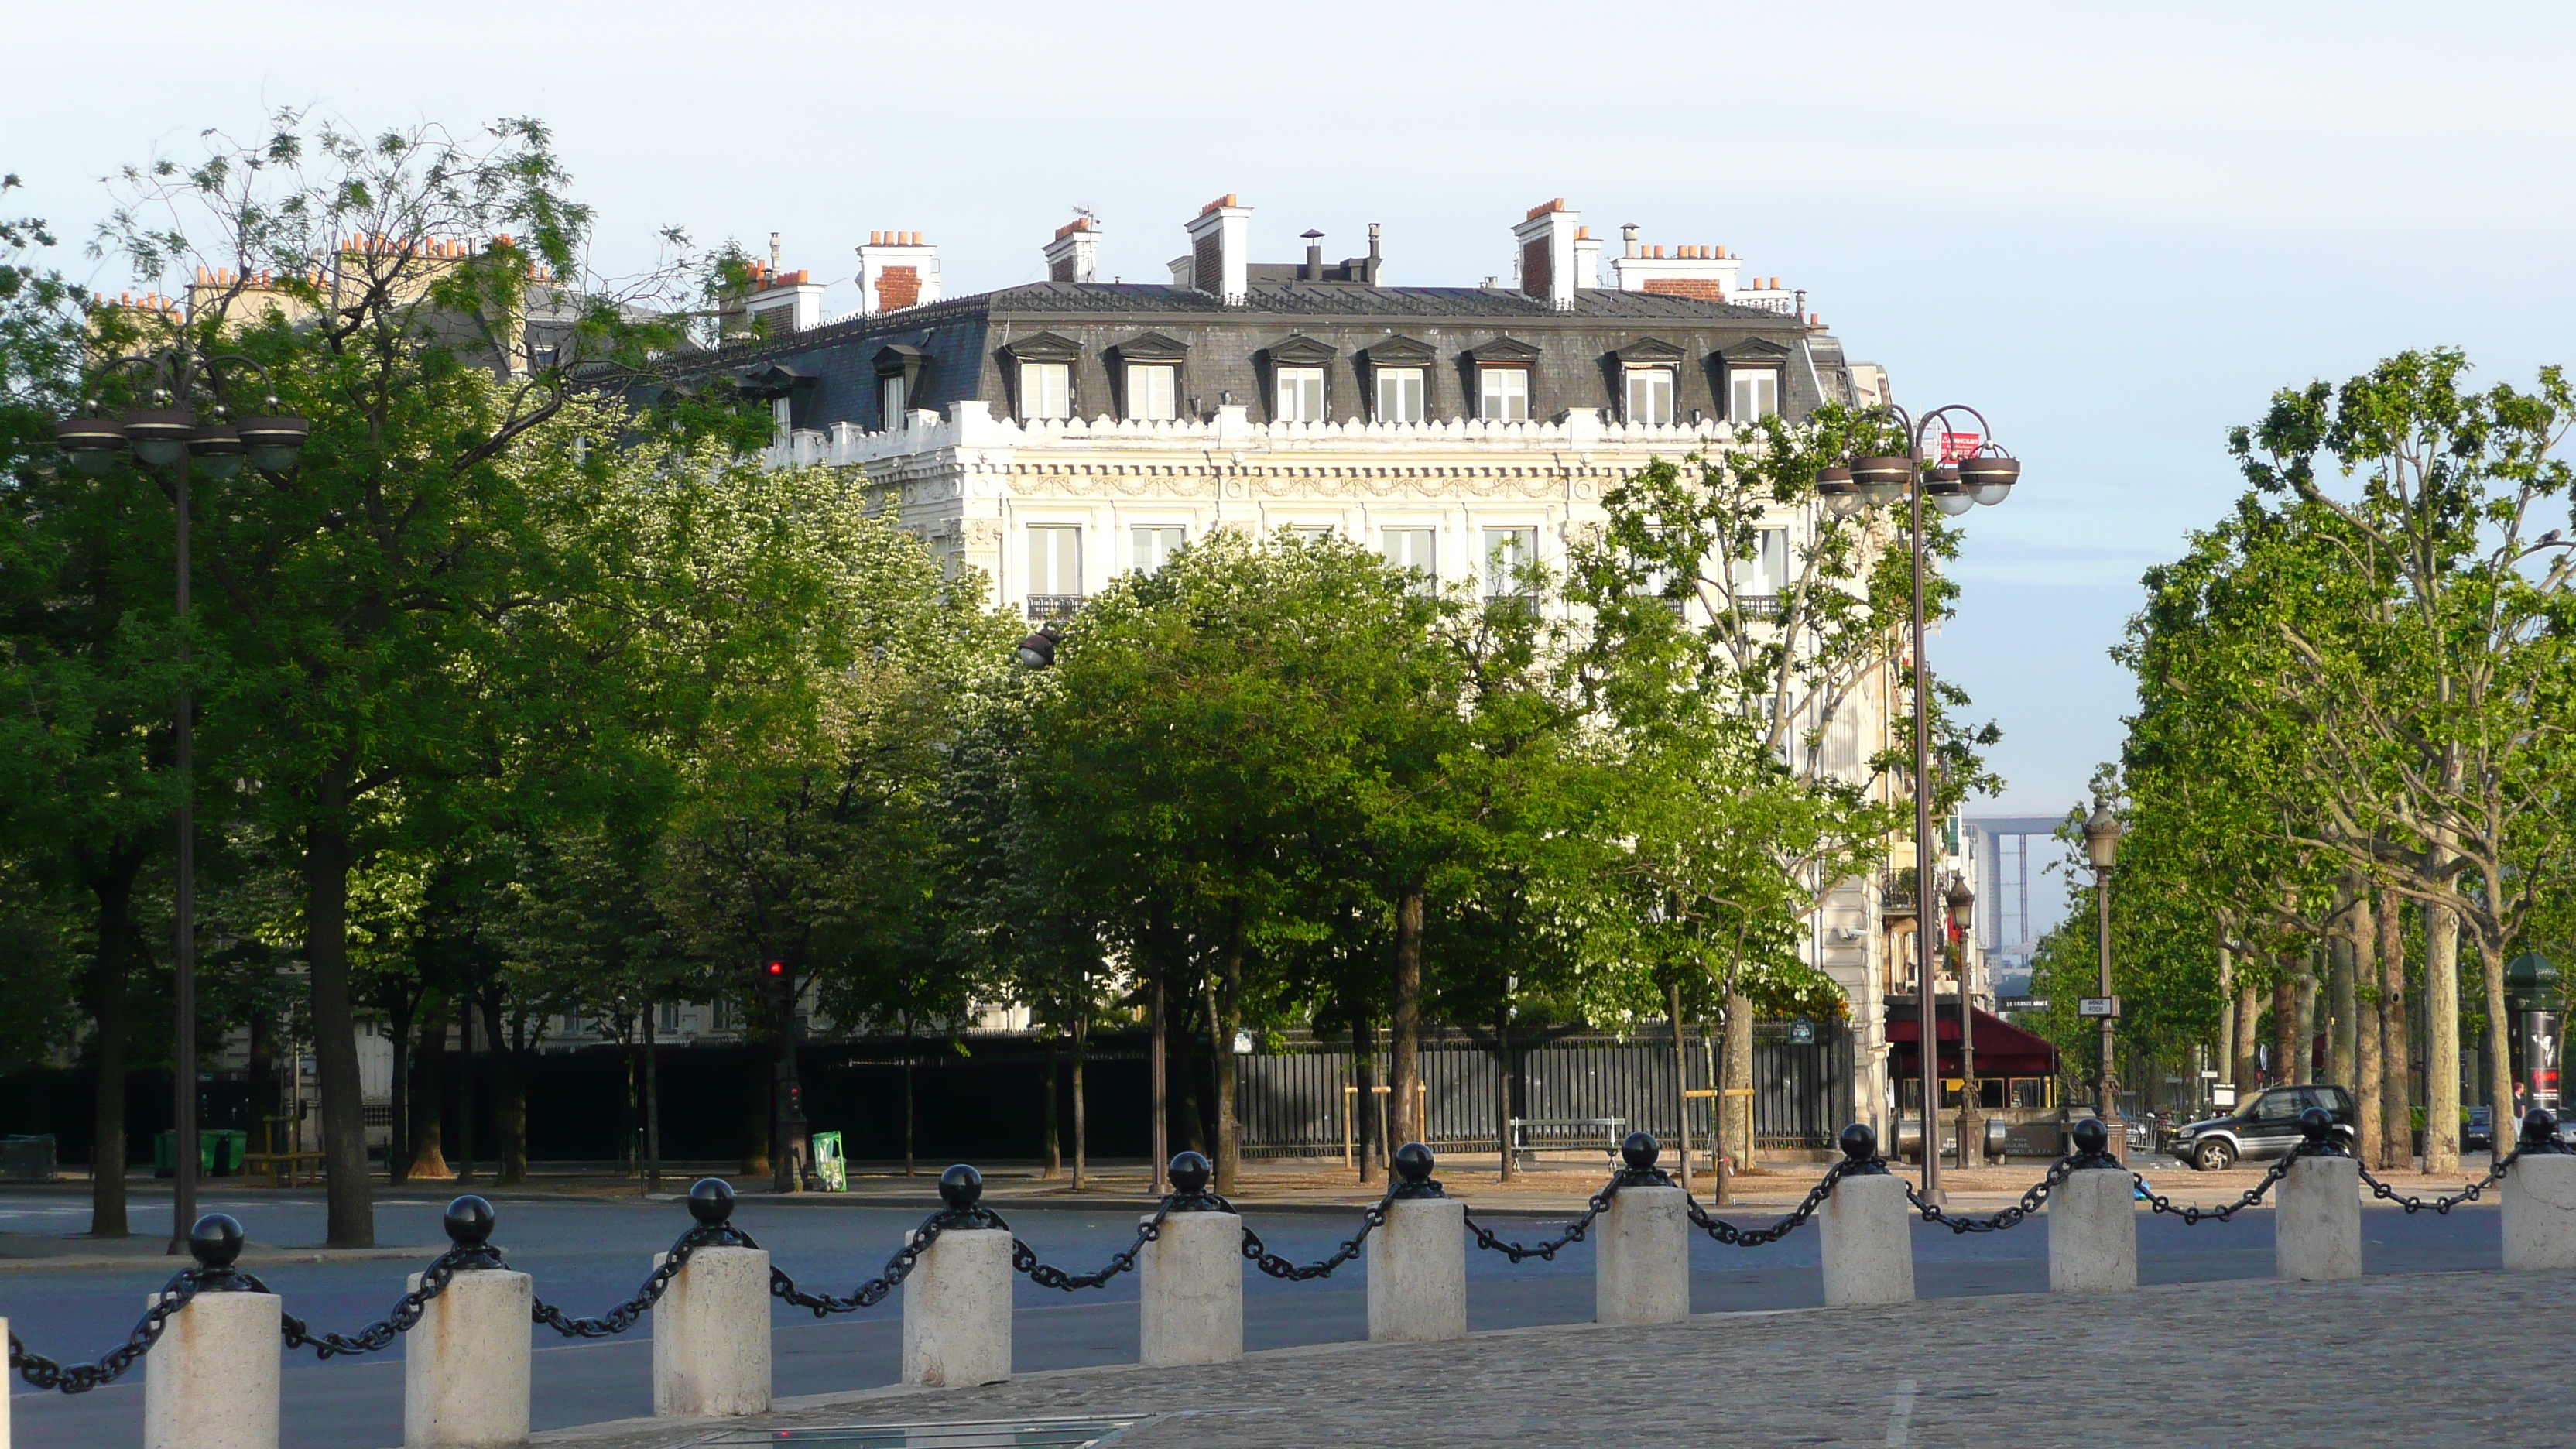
pixel 463 1318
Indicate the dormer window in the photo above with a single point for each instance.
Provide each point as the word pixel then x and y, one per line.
pixel 1042 376
pixel 1297 368
pixel 891 400
pixel 1650 396
pixel 1399 380
pixel 1503 377
pixel 1752 392
pixel 899 369
pixel 1399 395
pixel 1148 373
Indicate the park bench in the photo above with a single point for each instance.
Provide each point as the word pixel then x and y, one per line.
pixel 1535 1134
pixel 283 1169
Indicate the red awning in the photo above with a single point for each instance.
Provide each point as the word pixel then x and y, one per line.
pixel 2003 1049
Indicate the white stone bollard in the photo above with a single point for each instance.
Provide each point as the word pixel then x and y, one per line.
pixel 711 1335
pixel 2540 1213
pixel 1865 1231
pixel 4 1396
pixel 2093 1233
pixel 1641 1266
pixel 1190 1308
pixel 211 1382
pixel 465 1364
pixel 2316 1222
pixel 957 1311
pixel 1417 1263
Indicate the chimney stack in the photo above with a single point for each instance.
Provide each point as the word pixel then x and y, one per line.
pixel 1587 258
pixel 1313 270
pixel 1548 266
pixel 897 269
pixel 1221 249
pixel 1074 255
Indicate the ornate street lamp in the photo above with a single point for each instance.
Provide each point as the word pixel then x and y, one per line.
pixel 2102 846
pixel 169 437
pixel 1954 485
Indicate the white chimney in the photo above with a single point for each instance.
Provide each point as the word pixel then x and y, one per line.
pixel 1221 249
pixel 1546 240
pixel 1074 255
pixel 897 269
pixel 782 301
pixel 1587 258
pixel 1705 272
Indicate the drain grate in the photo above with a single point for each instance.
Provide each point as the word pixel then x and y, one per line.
pixel 955 1434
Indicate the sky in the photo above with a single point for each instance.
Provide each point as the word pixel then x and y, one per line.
pixel 2113 230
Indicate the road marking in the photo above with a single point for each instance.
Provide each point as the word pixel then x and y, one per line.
pixel 1901 1417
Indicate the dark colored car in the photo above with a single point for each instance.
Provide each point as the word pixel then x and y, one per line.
pixel 2265 1126
pixel 2479 1134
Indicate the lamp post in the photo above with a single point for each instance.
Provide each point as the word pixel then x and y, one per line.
pixel 1962 901
pixel 169 438
pixel 2102 846
pixel 1954 485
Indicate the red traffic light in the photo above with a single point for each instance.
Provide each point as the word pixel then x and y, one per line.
pixel 777 968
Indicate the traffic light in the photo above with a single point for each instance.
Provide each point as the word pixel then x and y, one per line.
pixel 777 987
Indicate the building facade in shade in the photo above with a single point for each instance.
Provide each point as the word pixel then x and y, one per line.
pixel 1057 434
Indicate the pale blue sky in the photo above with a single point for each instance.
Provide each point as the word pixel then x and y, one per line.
pixel 2113 231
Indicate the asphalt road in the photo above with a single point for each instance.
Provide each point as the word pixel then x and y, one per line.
pixel 586 1255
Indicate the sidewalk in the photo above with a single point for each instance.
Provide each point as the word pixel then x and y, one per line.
pixel 2350 1365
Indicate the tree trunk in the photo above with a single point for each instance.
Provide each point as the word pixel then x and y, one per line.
pixel 908 1115
pixel 2441 1041
pixel 1158 933
pixel 2249 1010
pixel 2396 1062
pixel 1681 1085
pixel 1510 1169
pixel 1405 1067
pixel 2361 968
pixel 1738 1087
pixel 352 1211
pixel 1049 1112
pixel 2309 1029
pixel 107 1003
pixel 2285 1027
pixel 2226 1057
pixel 1081 1126
pixel 509 1096
pixel 401 1017
pixel 429 1097
pixel 1364 1101
pixel 756 1123
pixel 652 1099
pixel 2500 1115
pixel 1224 998
pixel 2343 999
pixel 465 1089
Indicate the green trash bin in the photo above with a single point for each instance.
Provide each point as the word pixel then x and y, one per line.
pixel 219 1152
pixel 831 1170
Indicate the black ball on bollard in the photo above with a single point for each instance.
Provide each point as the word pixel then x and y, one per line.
pixel 2091 1136
pixel 2539 1128
pixel 1413 1162
pixel 1639 1151
pixel 215 1240
pixel 961 1187
pixel 1191 1173
pixel 711 1201
pixel 1859 1142
pixel 2315 1124
pixel 469 1222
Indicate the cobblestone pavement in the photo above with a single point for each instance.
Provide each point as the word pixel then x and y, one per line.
pixel 2466 1358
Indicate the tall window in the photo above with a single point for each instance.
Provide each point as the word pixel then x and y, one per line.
pixel 1650 396
pixel 1755 394
pixel 1309 532
pixel 1301 395
pixel 890 397
pixel 1154 547
pixel 1502 394
pixel 1153 390
pixel 1507 552
pixel 1055 561
pixel 1399 394
pixel 670 1018
pixel 1046 390
pixel 1415 549
pixel 1766 574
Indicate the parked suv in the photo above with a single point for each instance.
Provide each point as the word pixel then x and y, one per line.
pixel 2265 1126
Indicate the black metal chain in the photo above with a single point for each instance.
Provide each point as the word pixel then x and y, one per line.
pixel 2383 1192
pixel 2193 1215
pixel 1546 1251
pixel 897 1268
pixel 1735 1237
pixel 1271 1263
pixel 44 1374
pixel 623 1317
pixel 407 1309
pixel 2011 1216
pixel 1024 1259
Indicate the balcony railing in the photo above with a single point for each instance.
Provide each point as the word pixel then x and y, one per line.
pixel 1053 606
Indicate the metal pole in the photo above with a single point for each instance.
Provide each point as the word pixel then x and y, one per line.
pixel 1925 902
pixel 2109 1090
pixel 183 1088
